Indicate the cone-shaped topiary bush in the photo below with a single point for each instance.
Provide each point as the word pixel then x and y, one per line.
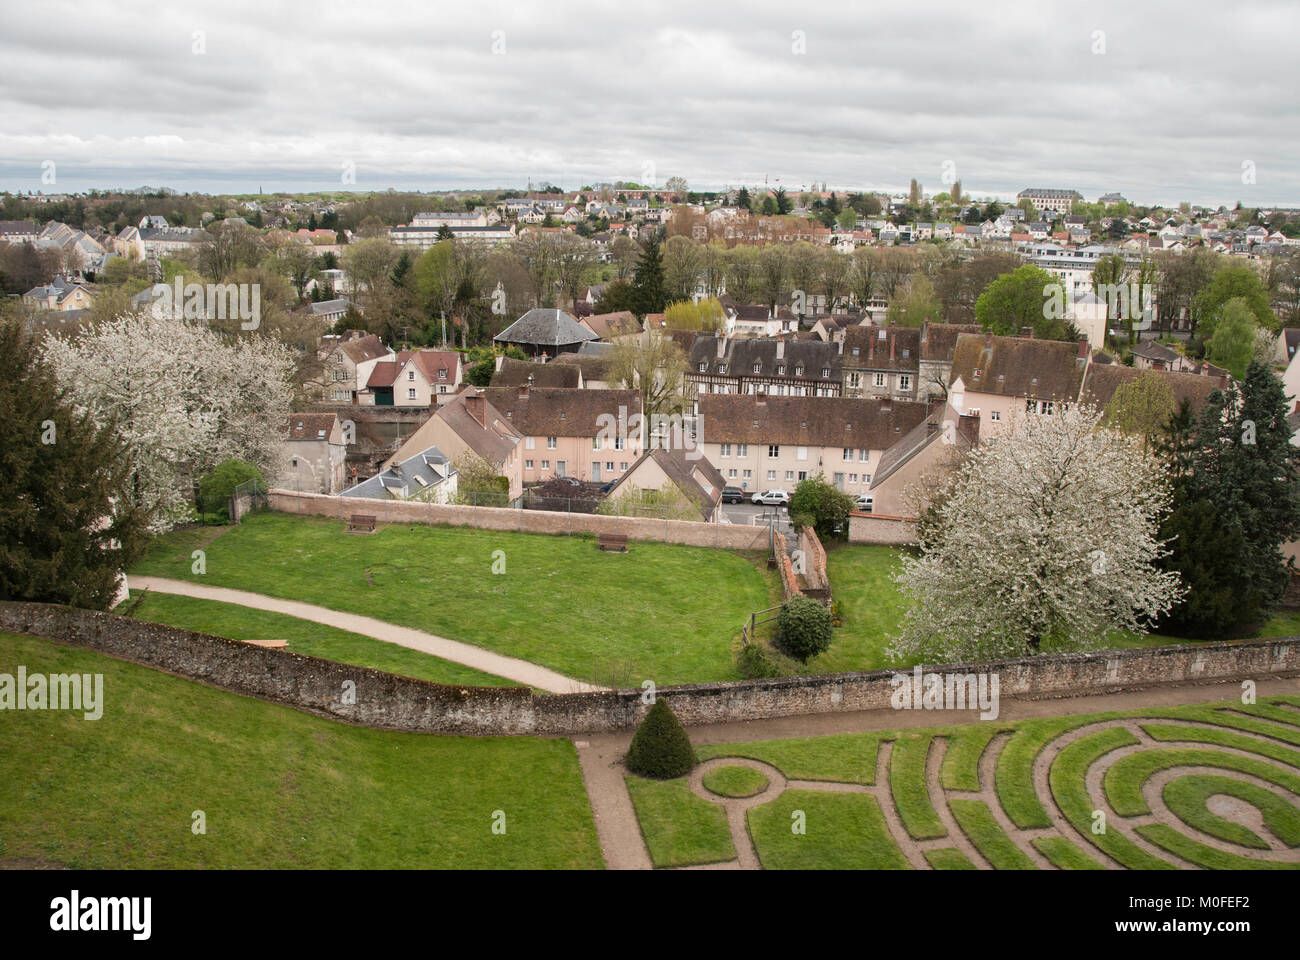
pixel 660 749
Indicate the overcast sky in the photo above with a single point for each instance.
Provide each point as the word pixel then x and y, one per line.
pixel 1161 102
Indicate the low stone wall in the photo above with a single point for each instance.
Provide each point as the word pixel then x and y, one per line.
pixel 814 559
pixel 386 701
pixel 789 580
pixel 692 533
pixel 881 529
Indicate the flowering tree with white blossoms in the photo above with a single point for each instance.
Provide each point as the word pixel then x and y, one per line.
pixel 183 397
pixel 1046 542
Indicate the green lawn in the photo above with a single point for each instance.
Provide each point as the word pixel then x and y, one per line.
pixel 847 829
pixel 862 580
pixel 305 637
pixel 277 788
pixel 679 827
pixel 660 612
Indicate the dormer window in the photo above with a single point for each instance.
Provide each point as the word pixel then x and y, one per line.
pixel 798 370
pixel 722 368
pixel 758 367
pixel 826 372
pixel 702 366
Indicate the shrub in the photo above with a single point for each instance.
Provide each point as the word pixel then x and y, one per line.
pixel 804 628
pixel 822 506
pixel 756 662
pixel 660 749
pixel 216 489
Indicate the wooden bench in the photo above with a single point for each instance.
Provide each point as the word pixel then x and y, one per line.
pixel 613 541
pixel 360 523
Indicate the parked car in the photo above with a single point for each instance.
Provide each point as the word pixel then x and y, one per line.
pixel 864 502
pixel 733 495
pixel 772 498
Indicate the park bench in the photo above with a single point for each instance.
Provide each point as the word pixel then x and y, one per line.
pixel 360 523
pixel 613 541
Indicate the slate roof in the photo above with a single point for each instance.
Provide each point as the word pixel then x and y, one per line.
pixel 1151 350
pixel 426 469
pixel 329 306
pixel 740 355
pixel 560 412
pixel 542 327
pixel 1016 367
pixel 861 423
pixel 515 372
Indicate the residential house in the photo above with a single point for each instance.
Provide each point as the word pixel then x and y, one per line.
pixel 881 361
pixel 759 441
pixel 347 362
pixel 781 367
pixel 417 378
pixel 611 327
pixel 587 434
pixel 1055 201
pixel 916 461
pixel 938 341
pixel 316 451
pixel 332 311
pixel 469 427
pixel 681 473
pixel 515 373
pixel 19 231
pixel 428 476
pixel 999 377
pixel 60 294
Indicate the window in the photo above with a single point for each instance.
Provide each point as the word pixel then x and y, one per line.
pixel 749 474
pixel 880 379
pixel 442 389
pixel 780 369
pixel 731 474
pixel 410 374
pixel 855 379
pixel 561 468
pixel 295 461
pixel 866 478
pixel 528 443
pixel 855 351
pixel 528 464
pixel 826 372
pixel 798 370
pixel 789 475
pixel 724 450
pixel 609 465
pixel 839 481
pixel 853 478
pixel 546 464
pixel 995 414
pixel 758 367
pixel 904 382
pixel 550 443
pixel 620 443
pixel 722 368
pixel 771 475
pixel 773 451
pixel 864 456
pixel 848 454
pixel 702 366
pixel 622 465
pixel 340 374
pixel 442 372
pixel 410 394
pixel 742 449
pixel 801 453
pixel 595 443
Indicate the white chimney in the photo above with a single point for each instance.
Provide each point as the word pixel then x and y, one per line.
pixel 780 349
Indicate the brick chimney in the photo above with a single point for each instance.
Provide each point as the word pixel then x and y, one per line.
pixel 968 425
pixel 891 346
pixel 476 406
pixel 1084 353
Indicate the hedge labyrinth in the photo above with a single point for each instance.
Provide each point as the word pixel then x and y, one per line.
pixel 1211 786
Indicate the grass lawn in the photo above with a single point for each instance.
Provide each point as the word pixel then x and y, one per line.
pixel 679 827
pixel 1247 744
pixel 305 637
pixel 277 788
pixel 660 612
pixel 862 580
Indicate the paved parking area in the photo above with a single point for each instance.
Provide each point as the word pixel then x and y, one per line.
pixel 749 514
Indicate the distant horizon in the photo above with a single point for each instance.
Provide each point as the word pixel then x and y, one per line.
pixel 226 188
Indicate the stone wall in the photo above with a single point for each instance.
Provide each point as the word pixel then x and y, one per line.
pixel 881 529
pixel 814 560
pixel 399 703
pixel 789 581
pixel 693 533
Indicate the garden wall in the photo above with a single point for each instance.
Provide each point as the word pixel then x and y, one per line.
pixel 401 703
pixel 881 529
pixel 688 532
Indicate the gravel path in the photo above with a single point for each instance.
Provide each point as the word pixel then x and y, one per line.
pixel 521 671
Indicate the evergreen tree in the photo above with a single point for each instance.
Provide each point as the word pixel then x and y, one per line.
pixel 444 233
pixel 649 295
pixel 66 532
pixel 743 199
pixel 1237 501
pixel 660 747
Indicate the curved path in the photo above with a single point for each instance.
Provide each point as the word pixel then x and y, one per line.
pixel 521 671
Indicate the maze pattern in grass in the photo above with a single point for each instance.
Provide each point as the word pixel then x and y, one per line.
pixel 1099 808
